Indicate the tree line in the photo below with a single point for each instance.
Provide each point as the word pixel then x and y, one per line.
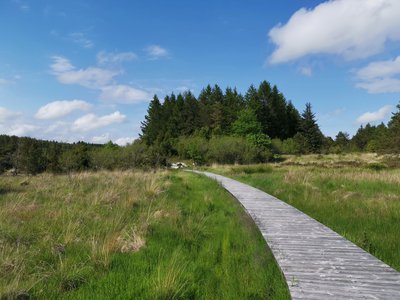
pixel 217 126
pixel 262 114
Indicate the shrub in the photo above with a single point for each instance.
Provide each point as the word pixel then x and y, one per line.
pixel 377 166
pixel 229 150
pixel 194 148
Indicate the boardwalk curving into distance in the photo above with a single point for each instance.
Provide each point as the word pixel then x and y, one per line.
pixel 317 262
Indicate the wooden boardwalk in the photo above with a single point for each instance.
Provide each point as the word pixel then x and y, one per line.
pixel 317 262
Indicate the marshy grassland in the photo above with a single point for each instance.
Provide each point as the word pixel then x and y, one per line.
pixel 130 235
pixel 357 196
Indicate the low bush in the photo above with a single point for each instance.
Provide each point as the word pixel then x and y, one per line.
pixel 376 166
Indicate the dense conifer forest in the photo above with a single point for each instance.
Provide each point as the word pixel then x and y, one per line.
pixel 217 126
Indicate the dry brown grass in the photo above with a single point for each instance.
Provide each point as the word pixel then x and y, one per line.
pixel 62 224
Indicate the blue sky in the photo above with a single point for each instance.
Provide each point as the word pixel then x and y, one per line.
pixel 85 70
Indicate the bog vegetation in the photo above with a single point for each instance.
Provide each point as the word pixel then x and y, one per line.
pixel 358 196
pixel 218 126
pixel 131 235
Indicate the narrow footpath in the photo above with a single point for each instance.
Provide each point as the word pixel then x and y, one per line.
pixel 317 262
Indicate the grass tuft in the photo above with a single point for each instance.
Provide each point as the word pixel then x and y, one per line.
pixel 135 235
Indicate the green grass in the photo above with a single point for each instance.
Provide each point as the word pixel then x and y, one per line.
pixel 124 235
pixel 361 203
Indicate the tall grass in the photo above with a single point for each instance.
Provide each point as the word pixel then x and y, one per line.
pixel 58 231
pixel 359 202
pixel 106 235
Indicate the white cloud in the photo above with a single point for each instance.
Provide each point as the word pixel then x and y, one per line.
pixel 380 85
pixel 123 94
pixel 380 76
pixel 100 79
pixel 11 124
pixel 59 127
pixel 350 28
pixel 306 71
pixel 61 65
pixel 91 77
pixel 81 39
pixel 104 58
pixel 6 115
pixel 102 139
pixel 124 141
pixel 61 108
pixel 156 52
pixel 377 69
pixel 20 129
pixel 375 116
pixel 91 121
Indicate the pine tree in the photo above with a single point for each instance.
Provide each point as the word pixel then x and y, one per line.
pixel 264 113
pixel 277 115
pixel 393 132
pixel 177 118
pixel 233 104
pixel 190 114
pixel 253 102
pixel 342 141
pixel 152 125
pixel 205 108
pixel 293 120
pixel 218 122
pixel 310 130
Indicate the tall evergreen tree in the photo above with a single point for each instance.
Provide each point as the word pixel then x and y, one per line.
pixel 218 121
pixel 177 118
pixel 233 104
pixel 253 101
pixel 293 120
pixel 152 125
pixel 277 115
pixel 190 114
pixel 264 113
pixel 205 107
pixel 310 130
pixel 342 141
pixel 394 132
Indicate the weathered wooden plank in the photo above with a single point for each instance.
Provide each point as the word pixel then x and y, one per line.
pixel 317 262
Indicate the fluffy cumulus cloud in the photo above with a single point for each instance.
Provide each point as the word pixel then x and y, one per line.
pixel 11 124
pixel 123 94
pixel 156 52
pixel 101 139
pixel 349 28
pixel 61 65
pixel 91 121
pixel 102 79
pixel 22 129
pixel 378 115
pixel 124 141
pixel 105 138
pixel 104 58
pixel 7 115
pixel 57 109
pixel 91 77
pixel 380 76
